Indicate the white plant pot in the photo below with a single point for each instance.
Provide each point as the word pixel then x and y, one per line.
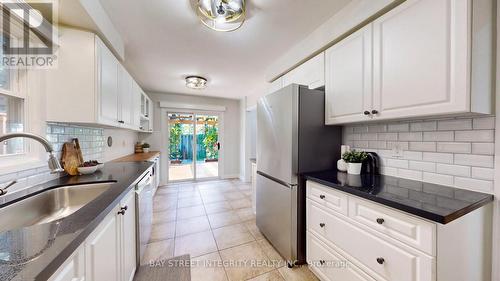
pixel 145 150
pixel 341 165
pixel 354 168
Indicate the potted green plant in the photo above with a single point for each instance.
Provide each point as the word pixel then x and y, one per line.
pixel 354 161
pixel 145 147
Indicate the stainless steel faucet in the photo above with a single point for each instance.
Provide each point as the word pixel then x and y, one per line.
pixel 54 165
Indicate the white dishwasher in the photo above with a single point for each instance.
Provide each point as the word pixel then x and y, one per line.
pixel 144 213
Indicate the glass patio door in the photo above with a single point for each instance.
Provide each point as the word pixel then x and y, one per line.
pixel 193 146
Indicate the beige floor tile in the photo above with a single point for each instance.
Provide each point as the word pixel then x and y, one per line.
pixel 245 262
pixel 188 194
pixel 223 219
pixel 252 227
pixel 190 212
pixel 213 184
pixel 158 251
pixel 270 251
pixel 298 273
pixel 208 268
pixel 233 235
pixel 240 203
pixel 245 214
pixel 188 202
pixel 161 205
pixel 164 216
pixel 162 231
pixel 270 276
pixel 212 198
pixel 244 187
pixel 196 244
pixel 234 195
pixel 217 207
pixel 192 225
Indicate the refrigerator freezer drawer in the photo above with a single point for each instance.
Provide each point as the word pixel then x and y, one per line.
pixel 276 215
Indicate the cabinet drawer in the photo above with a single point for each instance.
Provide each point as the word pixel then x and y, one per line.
pixel 330 265
pixel 390 261
pixel 327 197
pixel 412 231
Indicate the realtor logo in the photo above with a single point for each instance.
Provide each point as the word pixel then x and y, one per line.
pixel 28 35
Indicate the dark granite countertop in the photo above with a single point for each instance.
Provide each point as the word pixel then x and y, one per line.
pixel 52 243
pixel 438 203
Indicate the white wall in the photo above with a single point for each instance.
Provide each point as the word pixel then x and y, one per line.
pixel 231 145
pixel 123 143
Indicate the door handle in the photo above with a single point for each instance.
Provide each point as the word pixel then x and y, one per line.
pixel 218 145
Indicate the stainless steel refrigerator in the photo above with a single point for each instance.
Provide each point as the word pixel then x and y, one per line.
pixel 291 139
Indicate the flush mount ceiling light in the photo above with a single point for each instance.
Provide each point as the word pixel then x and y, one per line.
pixel 221 15
pixel 196 82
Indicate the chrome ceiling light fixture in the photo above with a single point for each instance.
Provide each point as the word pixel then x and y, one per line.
pixel 196 82
pixel 221 15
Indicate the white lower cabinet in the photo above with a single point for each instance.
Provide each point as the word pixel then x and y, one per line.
pixel 103 250
pixel 347 242
pixel 330 265
pixel 73 268
pixel 109 252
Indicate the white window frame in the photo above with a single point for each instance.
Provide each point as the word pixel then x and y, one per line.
pixel 33 156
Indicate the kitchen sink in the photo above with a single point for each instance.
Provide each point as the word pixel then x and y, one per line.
pixel 50 205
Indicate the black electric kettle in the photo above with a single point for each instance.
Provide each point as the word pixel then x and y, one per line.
pixel 371 165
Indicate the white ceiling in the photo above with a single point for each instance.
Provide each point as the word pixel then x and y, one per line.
pixel 165 42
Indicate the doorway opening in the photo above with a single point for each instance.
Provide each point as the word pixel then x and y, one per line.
pixel 193 145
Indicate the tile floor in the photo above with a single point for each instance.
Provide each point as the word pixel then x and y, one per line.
pixel 214 223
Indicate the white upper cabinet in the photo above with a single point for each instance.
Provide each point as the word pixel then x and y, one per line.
pixel 311 73
pixel 275 85
pixel 90 86
pixel 349 78
pixel 425 58
pixel 107 84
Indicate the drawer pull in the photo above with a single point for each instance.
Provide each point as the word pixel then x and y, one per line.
pixel 380 260
pixel 380 220
pixel 322 262
pixel 124 208
pixel 322 196
pixel 322 225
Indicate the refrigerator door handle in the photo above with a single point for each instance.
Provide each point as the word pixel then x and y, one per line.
pixel 289 185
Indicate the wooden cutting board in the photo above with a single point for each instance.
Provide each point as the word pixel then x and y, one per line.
pixel 71 157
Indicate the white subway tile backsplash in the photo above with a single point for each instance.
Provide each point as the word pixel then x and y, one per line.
pixel 438 178
pixel 453 170
pixel 397 163
pixel 423 126
pixel 388 136
pixel 413 136
pixel 422 146
pixel 423 166
pixel 474 184
pixel 398 127
pixel 475 136
pixel 485 161
pixel 439 136
pixel 483 148
pixel 483 173
pixel 484 123
pixel 454 147
pixel 455 124
pixel 410 174
pixel 442 151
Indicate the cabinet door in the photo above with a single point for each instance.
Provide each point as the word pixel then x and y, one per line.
pixel 150 114
pixel 103 250
pixel 421 59
pixel 128 242
pixel 107 84
pixel 311 73
pixel 125 97
pixel 348 75
pixel 136 105
pixel 73 268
